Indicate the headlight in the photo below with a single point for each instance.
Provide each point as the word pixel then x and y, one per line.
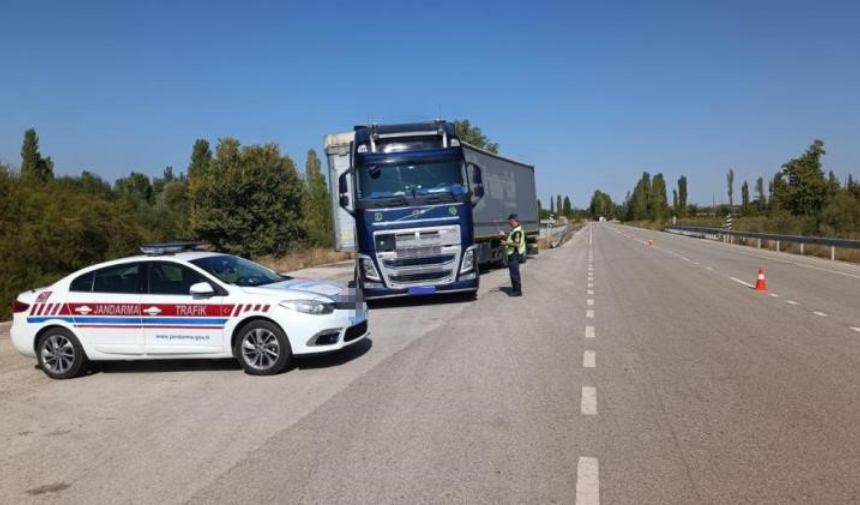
pixel 308 306
pixel 468 260
pixel 368 268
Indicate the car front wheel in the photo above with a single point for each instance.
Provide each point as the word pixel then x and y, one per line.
pixel 60 354
pixel 263 349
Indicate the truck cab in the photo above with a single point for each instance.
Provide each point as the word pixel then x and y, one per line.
pixel 404 196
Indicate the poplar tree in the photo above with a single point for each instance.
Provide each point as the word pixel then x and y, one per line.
pixel 318 216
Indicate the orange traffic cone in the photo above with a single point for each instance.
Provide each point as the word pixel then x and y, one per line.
pixel 761 282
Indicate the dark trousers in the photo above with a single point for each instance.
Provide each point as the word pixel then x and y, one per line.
pixel 514 269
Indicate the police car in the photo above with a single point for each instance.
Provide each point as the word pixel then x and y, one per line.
pixel 177 302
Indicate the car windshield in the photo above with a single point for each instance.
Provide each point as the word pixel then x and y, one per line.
pixel 238 271
pixel 411 180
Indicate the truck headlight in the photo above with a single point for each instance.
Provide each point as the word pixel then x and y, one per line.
pixel 468 260
pixel 368 268
pixel 308 306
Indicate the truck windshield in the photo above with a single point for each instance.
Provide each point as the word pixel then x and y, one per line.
pixel 411 180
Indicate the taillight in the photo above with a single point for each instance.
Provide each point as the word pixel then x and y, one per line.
pixel 18 307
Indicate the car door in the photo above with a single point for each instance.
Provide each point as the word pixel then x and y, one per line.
pixel 105 305
pixel 176 322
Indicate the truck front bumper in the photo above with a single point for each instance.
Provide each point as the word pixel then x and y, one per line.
pixel 470 285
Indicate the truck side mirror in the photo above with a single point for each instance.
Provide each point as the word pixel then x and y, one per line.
pixel 477 181
pixel 343 191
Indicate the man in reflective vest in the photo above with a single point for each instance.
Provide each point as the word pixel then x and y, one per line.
pixel 515 249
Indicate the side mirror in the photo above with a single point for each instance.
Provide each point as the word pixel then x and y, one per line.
pixel 201 289
pixel 343 191
pixel 477 181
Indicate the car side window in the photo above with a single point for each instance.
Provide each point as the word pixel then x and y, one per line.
pixel 83 284
pixel 117 279
pixel 171 279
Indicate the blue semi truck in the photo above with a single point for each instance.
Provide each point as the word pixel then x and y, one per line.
pixel 421 209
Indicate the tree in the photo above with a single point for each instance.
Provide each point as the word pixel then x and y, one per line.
pixel 474 136
pixel 675 208
pixel 558 205
pixel 136 186
pixel 551 205
pixel 658 205
pixel 745 198
pixel 567 209
pixel 318 218
pixel 201 158
pixel 249 201
pixel 730 179
pixel 33 167
pixel 682 196
pixel 761 199
pixel 601 205
pixel 806 188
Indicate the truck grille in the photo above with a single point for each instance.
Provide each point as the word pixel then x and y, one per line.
pixel 412 262
pixel 421 276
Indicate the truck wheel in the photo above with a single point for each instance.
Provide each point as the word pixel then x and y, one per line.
pixel 61 355
pixel 263 349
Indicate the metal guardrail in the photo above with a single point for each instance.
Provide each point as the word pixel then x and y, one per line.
pixel 729 235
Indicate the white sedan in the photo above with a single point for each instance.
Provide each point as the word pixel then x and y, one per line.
pixel 172 303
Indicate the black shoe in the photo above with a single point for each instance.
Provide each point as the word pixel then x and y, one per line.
pixel 517 293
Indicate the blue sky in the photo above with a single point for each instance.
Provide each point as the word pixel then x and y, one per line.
pixel 592 93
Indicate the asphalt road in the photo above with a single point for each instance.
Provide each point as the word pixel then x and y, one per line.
pixel 665 381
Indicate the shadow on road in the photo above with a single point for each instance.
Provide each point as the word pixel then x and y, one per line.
pixel 333 359
pixel 415 301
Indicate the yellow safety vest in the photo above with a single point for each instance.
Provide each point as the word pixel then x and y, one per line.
pixel 516 240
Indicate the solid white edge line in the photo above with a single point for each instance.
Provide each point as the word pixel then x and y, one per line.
pixel 587 481
pixel 589 332
pixel 588 404
pixel 589 359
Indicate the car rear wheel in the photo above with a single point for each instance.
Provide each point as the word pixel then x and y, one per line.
pixel 61 355
pixel 263 349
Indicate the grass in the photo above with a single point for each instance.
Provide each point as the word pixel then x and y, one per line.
pixel 303 259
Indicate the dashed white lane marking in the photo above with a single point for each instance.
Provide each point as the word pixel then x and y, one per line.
pixel 588 405
pixel 696 263
pixel 745 283
pixel 774 295
pixel 685 258
pixel 709 268
pixel 589 359
pixel 589 314
pixel 820 314
pixel 791 302
pixel 589 332
pixel 587 482
pixel 590 292
pixel 591 284
pixel 854 328
pixel 589 302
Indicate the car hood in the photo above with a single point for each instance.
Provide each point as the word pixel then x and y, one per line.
pixel 299 288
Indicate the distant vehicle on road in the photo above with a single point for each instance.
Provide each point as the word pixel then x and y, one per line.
pixel 175 302
pixel 421 208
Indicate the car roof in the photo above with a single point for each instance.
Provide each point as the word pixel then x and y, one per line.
pixel 179 257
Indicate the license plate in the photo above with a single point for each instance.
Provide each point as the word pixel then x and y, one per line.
pixel 429 290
